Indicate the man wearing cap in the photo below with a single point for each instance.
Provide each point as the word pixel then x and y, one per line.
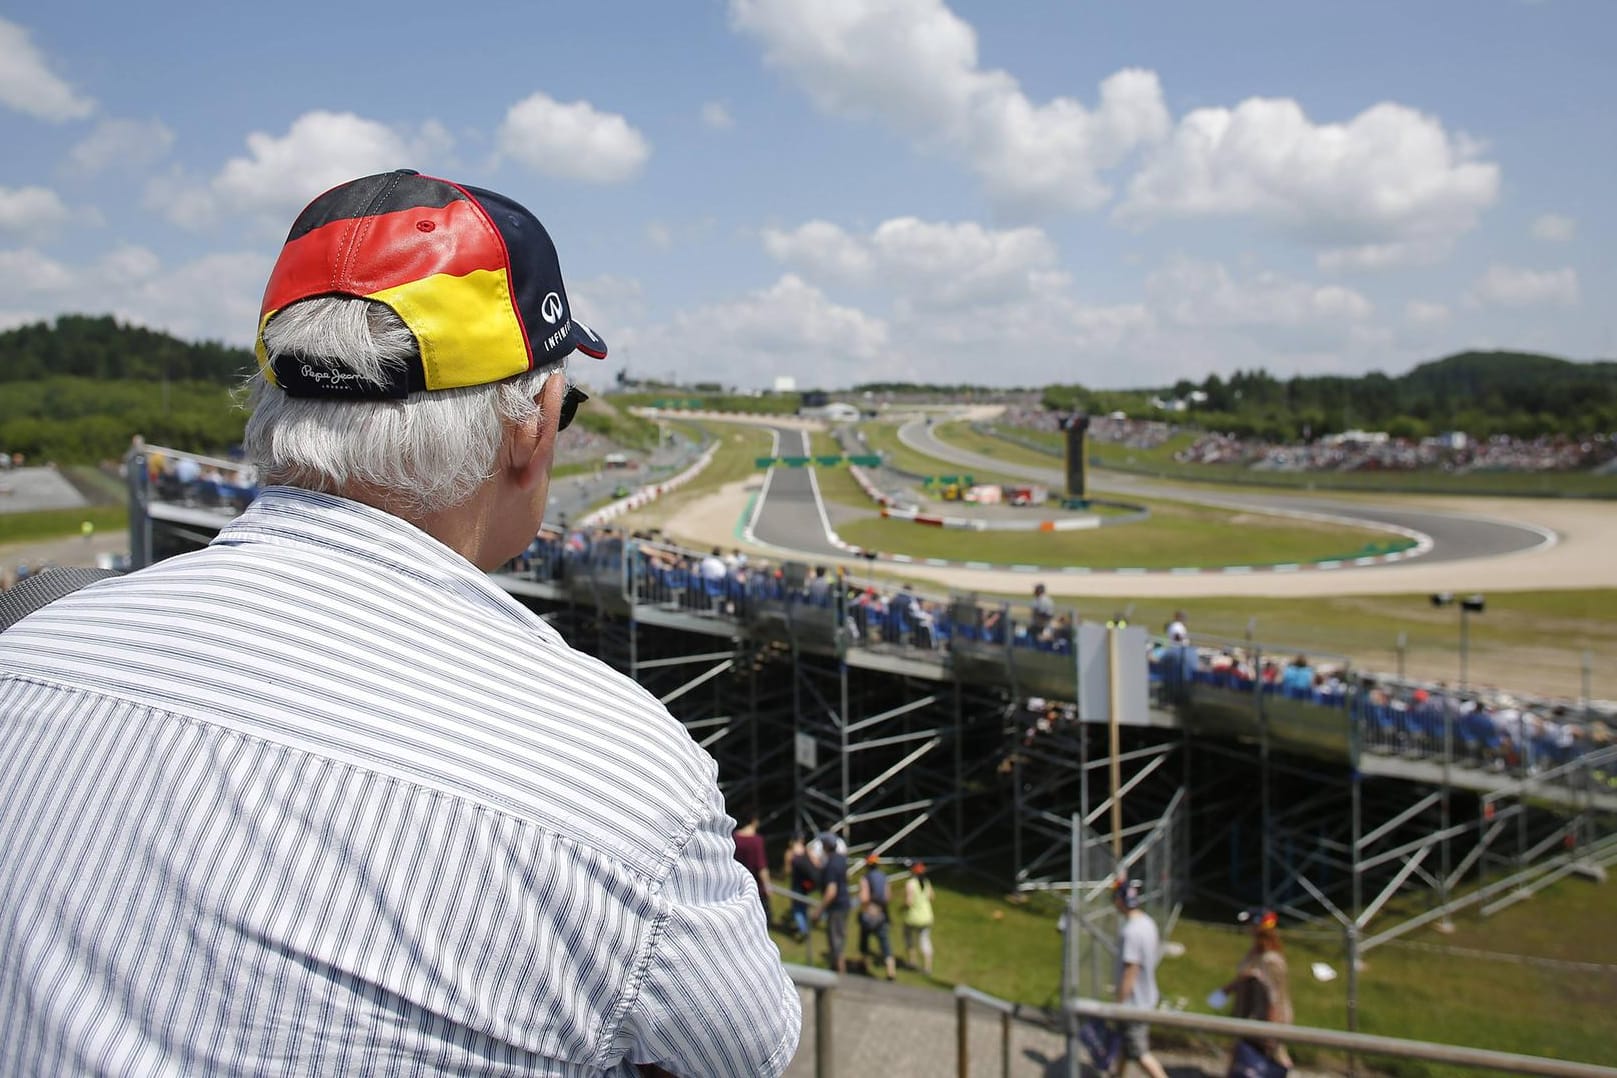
pixel 1139 949
pixel 834 899
pixel 322 799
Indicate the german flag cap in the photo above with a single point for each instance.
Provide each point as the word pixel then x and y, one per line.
pixel 473 275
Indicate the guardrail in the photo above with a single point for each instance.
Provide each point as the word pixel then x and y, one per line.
pixel 964 999
pixel 1355 1043
pixel 823 982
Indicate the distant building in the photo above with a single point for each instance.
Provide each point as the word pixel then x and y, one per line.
pixel 785 383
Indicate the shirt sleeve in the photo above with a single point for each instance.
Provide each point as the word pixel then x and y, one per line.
pixel 715 999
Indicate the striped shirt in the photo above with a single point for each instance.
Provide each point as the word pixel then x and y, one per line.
pixel 322 799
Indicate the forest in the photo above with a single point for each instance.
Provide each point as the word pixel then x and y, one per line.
pixel 1481 393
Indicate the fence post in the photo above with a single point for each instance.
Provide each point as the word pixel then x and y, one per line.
pixel 825 1064
pixel 962 1039
pixel 1005 1044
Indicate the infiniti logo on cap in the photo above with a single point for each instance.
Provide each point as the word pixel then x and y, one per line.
pixel 550 307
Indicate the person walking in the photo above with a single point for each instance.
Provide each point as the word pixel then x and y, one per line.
pixel 1261 987
pixel 874 922
pixel 754 857
pixel 1139 951
pixel 322 797
pixel 918 918
pixel 834 899
pixel 803 876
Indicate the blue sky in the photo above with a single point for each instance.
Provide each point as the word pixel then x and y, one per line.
pixel 851 190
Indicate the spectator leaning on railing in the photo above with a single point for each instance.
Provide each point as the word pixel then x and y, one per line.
pixel 403 826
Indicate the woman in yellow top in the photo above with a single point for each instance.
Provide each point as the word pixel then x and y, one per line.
pixel 918 917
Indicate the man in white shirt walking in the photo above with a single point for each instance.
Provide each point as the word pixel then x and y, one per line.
pixel 1139 950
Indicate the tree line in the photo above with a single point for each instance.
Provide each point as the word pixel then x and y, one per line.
pixel 76 390
pixel 1481 393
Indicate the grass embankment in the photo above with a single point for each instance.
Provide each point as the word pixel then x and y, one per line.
pixel 883 438
pixel 1159 461
pixel 1176 535
pixel 1492 984
pixel 735 460
pixel 965 436
pixel 60 523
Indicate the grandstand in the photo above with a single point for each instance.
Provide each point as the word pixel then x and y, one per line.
pixel 967 731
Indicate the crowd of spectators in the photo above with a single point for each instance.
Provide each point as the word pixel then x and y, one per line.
pixel 1108 429
pixel 1377 452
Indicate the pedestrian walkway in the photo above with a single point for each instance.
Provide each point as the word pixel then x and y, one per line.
pixel 898 1030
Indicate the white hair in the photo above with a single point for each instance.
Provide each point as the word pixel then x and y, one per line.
pixel 424 454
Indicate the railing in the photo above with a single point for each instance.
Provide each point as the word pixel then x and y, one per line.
pixel 823 982
pixel 964 999
pixel 1355 1043
pixel 1035 651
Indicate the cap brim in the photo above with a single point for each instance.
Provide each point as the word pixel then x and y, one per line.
pixel 588 341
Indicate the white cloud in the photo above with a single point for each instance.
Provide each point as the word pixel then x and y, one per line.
pixel 1205 295
pixel 28 85
pixel 281 174
pixel 1425 313
pixel 31 212
pixel 659 235
pixel 1390 185
pixel 790 327
pixel 572 141
pixel 824 251
pixel 1554 227
pixel 215 297
pixel 26 272
pixel 927 263
pixel 1511 286
pixel 913 65
pixel 717 116
pixel 125 143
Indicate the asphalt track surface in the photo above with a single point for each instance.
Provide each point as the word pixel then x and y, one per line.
pixel 789 514
pixel 1455 537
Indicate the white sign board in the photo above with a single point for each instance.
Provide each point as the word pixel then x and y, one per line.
pixel 1095 675
pixel 808 752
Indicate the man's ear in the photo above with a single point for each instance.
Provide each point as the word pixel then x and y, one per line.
pixel 528 444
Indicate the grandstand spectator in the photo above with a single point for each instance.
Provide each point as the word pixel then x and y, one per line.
pixel 1041 610
pixel 1297 681
pixel 1176 631
pixel 1058 634
pixel 434 754
pixel 819 587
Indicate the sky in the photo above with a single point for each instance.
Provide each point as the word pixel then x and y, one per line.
pixel 1021 193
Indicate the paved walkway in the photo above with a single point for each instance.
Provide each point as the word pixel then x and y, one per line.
pixel 900 1030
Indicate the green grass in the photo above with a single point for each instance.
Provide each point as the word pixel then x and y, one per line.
pixel 822 444
pixel 49 524
pixel 1425 987
pixel 838 485
pixel 736 459
pixel 1175 535
pixel 883 438
pixel 964 436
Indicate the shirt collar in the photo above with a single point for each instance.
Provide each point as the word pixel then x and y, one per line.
pixel 341 527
